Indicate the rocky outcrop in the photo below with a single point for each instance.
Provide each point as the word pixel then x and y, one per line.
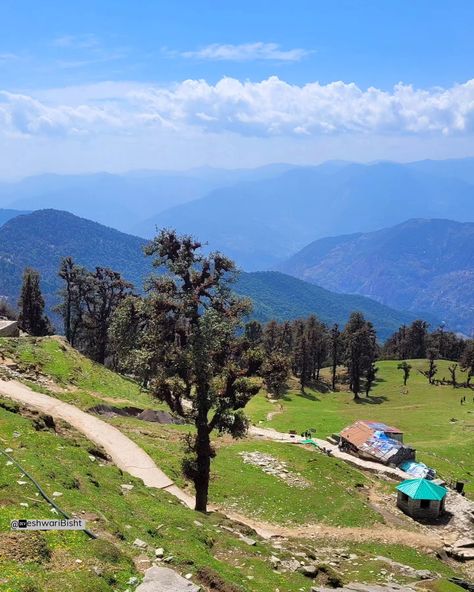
pixel 9 329
pixel 164 579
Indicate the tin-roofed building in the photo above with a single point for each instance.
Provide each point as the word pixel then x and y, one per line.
pixel 376 441
pixel 421 498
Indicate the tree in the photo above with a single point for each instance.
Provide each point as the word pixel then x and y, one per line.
pixel 467 360
pixel 317 340
pixel 405 367
pixel 275 372
pixel 417 335
pixel 104 293
pixel 335 347
pixel 430 373
pixel 72 303
pixel 452 370
pixel 254 332
pixel 370 377
pixel 202 359
pixel 359 350
pixel 31 318
pixel 301 359
pixel 6 310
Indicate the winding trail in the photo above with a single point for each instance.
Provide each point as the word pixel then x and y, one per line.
pixel 132 459
pixel 127 455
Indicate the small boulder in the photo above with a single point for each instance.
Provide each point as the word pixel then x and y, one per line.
pixel 140 544
pixel 164 579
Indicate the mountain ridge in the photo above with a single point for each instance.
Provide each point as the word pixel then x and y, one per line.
pixel 421 264
pixel 41 239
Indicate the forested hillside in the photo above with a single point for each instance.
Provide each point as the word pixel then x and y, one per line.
pixel 259 223
pixel 41 239
pixel 420 265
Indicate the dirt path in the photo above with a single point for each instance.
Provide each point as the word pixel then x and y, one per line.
pixel 127 455
pixel 374 467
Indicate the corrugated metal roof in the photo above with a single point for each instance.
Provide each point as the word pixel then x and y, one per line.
pixel 357 433
pixel 361 431
pixel 381 427
pixel 421 489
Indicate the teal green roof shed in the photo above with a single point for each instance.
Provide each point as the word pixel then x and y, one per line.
pixel 421 499
pixel 422 489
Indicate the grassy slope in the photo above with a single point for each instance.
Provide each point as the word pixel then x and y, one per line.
pixel 424 413
pixel 62 463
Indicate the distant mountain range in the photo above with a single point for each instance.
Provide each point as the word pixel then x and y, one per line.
pixel 123 201
pixel 260 223
pixel 42 238
pixel 259 216
pixel 419 265
pixel 6 215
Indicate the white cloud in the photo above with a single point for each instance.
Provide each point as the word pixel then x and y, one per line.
pixel 269 108
pixel 246 52
pixel 85 41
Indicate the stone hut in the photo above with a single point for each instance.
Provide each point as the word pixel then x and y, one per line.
pixel 421 499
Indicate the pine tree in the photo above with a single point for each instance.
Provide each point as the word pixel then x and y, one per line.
pixel 336 346
pixel 31 318
pixel 359 350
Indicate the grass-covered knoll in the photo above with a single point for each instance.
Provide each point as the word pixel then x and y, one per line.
pixel 59 561
pixel 81 381
pixel 331 498
pixel 431 416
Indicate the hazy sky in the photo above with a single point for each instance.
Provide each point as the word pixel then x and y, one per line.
pixel 120 84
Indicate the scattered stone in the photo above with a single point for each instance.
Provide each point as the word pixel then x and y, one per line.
pixel 248 541
pixel 57 494
pixel 164 579
pixel 160 552
pixel 22 482
pixel 272 466
pixel 140 544
pixel 8 463
pixel 92 458
pixel 132 580
pixel 310 571
pixel 197 523
pixel 8 449
pixel 127 487
pixel 24 504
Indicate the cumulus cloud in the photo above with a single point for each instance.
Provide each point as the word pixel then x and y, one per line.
pixel 268 108
pixel 246 52
pixel 86 41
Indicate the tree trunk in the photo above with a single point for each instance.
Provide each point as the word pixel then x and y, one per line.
pixel 203 459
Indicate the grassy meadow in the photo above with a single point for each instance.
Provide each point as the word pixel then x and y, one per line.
pixel 431 416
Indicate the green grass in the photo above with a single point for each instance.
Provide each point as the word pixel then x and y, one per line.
pixel 424 412
pixel 84 383
pixel 245 488
pixel 61 462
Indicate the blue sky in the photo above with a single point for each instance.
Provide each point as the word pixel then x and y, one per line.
pixel 116 85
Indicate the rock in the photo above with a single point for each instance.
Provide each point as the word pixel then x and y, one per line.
pixel 160 552
pixel 164 579
pixel 140 544
pixel 132 580
pixel 57 494
pixel 197 523
pixel 248 541
pixel 126 487
pixel 310 571
pixel 423 574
